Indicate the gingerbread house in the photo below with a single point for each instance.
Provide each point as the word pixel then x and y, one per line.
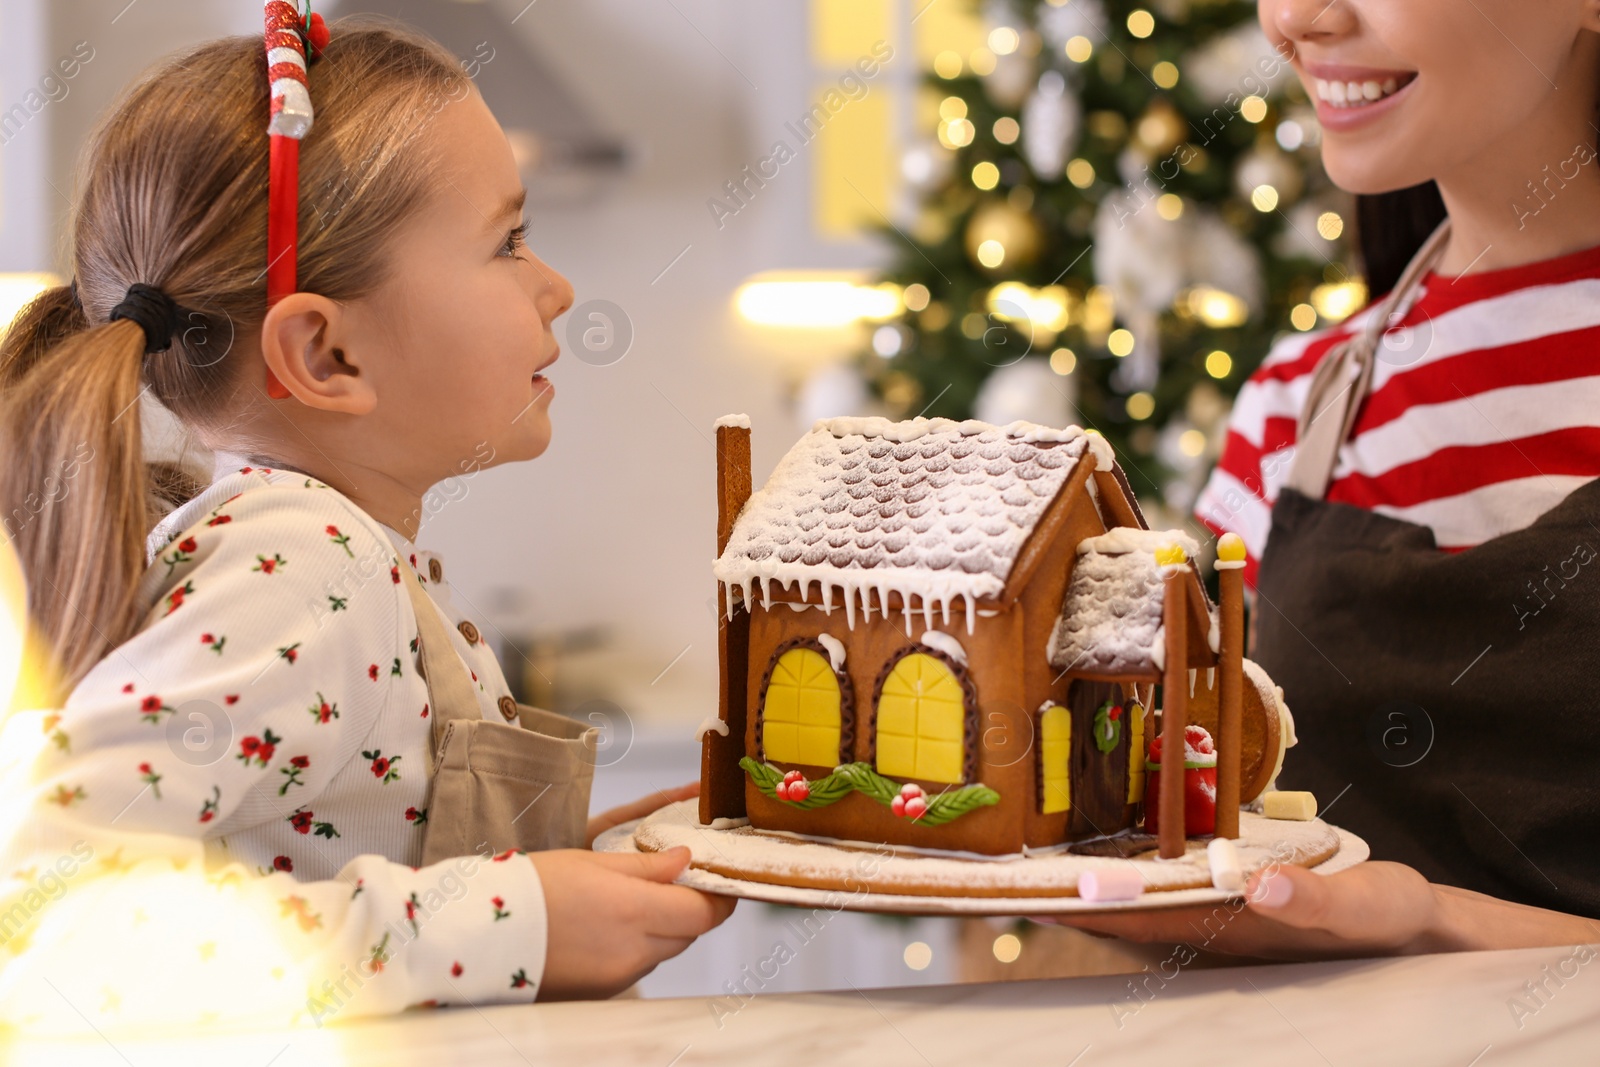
pixel 949 635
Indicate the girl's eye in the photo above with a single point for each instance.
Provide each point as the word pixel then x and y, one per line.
pixel 514 241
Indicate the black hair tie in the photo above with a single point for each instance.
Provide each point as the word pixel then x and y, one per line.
pixel 154 311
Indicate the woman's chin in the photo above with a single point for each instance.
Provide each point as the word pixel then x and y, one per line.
pixel 1367 173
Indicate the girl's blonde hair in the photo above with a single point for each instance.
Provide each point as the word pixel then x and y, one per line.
pixel 172 192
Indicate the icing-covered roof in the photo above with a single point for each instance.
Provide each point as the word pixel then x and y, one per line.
pixel 1111 618
pixel 932 508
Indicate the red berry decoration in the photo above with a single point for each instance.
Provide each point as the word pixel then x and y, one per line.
pixel 316 36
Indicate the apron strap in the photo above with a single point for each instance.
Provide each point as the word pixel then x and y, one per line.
pixel 1343 376
pixel 449 685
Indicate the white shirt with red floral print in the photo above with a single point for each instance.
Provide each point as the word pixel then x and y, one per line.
pixel 269 720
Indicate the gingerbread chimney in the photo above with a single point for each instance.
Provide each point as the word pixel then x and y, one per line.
pixel 722 739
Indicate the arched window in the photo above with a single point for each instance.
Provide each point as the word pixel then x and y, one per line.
pixel 922 727
pixel 1055 755
pixel 804 707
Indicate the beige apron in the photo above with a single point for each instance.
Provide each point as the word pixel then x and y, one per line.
pixel 496 785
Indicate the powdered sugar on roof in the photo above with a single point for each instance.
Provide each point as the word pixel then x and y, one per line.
pixel 931 508
pixel 1111 619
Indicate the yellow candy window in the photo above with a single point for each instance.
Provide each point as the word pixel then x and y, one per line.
pixel 800 721
pixel 1135 725
pixel 1055 751
pixel 921 724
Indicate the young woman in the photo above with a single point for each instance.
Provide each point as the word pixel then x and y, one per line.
pixel 1417 489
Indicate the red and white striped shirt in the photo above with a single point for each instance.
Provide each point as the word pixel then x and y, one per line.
pixel 1484 410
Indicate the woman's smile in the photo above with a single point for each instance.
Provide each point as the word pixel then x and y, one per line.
pixel 1348 96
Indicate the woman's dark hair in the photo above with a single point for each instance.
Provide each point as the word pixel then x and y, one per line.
pixel 1390 227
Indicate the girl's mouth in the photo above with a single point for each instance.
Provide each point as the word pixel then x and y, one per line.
pixel 1355 94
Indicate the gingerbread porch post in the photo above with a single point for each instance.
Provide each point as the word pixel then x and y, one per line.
pixel 1230 680
pixel 722 782
pixel 1174 700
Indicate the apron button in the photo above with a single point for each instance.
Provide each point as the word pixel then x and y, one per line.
pixel 469 631
pixel 435 570
pixel 508 707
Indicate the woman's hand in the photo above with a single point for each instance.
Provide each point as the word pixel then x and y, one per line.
pixel 1374 908
pixel 599 824
pixel 614 916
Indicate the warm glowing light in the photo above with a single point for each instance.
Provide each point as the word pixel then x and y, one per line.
pixel 986 175
pixel 1006 130
pixel 1330 225
pixel 819 301
pixel 1191 442
pixel 991 253
pixel 1007 947
pixel 947 65
pixel 1219 364
pixel 1217 308
pixel 915 296
pixel 952 107
pixel 1264 198
pixel 1003 40
pixel 1169 206
pixel 1046 308
pixel 1303 317
pixel 1337 301
pixel 1141 23
pixel 918 955
pixel 957 133
pixel 1079 49
pixel 1080 172
pixel 1141 406
pixel 1164 74
pixel 1253 109
pixel 1120 342
pixel 16 290
pixel 1063 361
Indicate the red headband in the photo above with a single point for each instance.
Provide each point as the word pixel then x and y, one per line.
pixel 288 38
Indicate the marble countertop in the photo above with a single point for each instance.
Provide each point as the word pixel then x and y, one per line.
pixel 1458 1009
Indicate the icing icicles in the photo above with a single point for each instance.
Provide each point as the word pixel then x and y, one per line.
pixel 946 644
pixel 710 725
pixel 835 649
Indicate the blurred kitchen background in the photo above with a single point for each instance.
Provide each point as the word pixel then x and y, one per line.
pixel 1057 210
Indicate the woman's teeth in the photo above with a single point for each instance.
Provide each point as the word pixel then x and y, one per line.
pixel 1357 94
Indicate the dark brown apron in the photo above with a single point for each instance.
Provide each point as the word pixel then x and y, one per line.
pixel 496 785
pixel 1442 698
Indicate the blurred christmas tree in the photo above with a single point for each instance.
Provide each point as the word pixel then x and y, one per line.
pixel 1120 209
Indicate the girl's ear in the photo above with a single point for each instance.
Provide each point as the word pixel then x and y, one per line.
pixel 305 343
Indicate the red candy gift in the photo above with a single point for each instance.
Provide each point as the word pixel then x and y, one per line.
pixel 1199 784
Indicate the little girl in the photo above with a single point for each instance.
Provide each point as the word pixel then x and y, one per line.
pixel 235 810
pixel 1419 489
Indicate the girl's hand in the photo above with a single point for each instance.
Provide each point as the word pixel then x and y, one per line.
pixel 1374 908
pixel 613 917
pixel 599 824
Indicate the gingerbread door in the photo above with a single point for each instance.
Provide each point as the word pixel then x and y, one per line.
pixel 1099 764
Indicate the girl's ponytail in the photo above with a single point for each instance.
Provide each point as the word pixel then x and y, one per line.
pixel 73 485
